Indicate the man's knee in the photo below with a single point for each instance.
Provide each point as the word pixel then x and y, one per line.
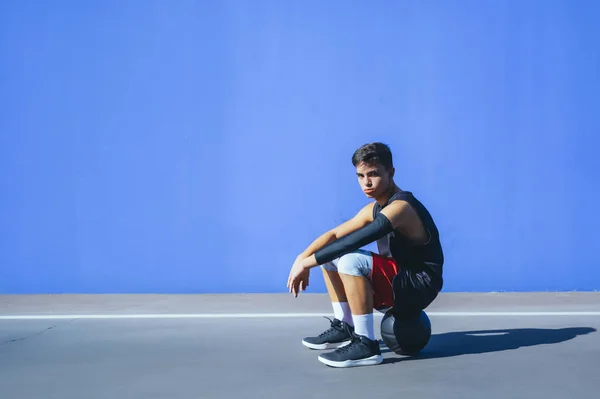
pixel 357 263
pixel 330 266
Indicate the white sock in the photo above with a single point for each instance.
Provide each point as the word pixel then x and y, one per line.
pixel 363 325
pixel 341 311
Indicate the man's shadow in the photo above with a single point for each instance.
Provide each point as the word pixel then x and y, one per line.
pixel 486 341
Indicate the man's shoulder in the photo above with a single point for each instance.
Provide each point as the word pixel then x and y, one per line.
pixel 401 198
pixel 368 207
pixel 366 212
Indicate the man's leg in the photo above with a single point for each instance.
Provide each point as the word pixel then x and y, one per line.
pixel 341 326
pixel 337 295
pixel 354 270
pixel 360 300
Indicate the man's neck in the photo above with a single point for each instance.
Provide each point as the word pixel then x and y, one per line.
pixel 392 189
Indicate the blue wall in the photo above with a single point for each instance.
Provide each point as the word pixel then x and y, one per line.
pixel 199 146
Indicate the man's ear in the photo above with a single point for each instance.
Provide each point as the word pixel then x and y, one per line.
pixel 392 172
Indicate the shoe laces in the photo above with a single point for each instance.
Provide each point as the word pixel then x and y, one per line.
pixel 335 326
pixel 354 340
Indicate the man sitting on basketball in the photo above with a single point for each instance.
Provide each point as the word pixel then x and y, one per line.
pixel 406 274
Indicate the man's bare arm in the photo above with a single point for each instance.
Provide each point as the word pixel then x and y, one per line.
pixel 361 219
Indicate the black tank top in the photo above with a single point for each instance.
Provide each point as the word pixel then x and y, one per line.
pixel 407 255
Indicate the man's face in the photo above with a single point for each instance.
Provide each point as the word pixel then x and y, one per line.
pixel 374 179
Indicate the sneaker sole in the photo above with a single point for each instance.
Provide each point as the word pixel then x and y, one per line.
pixel 369 361
pixel 329 345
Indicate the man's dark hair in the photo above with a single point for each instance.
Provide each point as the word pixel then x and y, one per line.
pixel 373 153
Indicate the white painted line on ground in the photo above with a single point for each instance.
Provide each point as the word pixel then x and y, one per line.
pixel 275 315
pixel 509 314
pixel 163 316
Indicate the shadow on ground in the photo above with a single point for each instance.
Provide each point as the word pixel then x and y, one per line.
pixel 486 341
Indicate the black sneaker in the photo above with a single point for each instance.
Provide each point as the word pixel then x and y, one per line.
pixel 361 351
pixel 338 334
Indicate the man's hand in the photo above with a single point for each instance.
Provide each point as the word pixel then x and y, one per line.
pixel 299 276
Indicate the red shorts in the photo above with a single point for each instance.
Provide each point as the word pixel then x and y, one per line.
pixel 382 275
pixel 407 290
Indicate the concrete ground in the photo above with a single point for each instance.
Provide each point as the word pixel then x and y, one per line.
pixel 498 345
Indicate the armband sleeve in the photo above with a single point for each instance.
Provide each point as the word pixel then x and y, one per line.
pixel 375 230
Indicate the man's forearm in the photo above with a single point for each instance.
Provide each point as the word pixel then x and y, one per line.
pixel 375 230
pixel 317 244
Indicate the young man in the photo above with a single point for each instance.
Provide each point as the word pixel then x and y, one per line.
pixel 406 274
